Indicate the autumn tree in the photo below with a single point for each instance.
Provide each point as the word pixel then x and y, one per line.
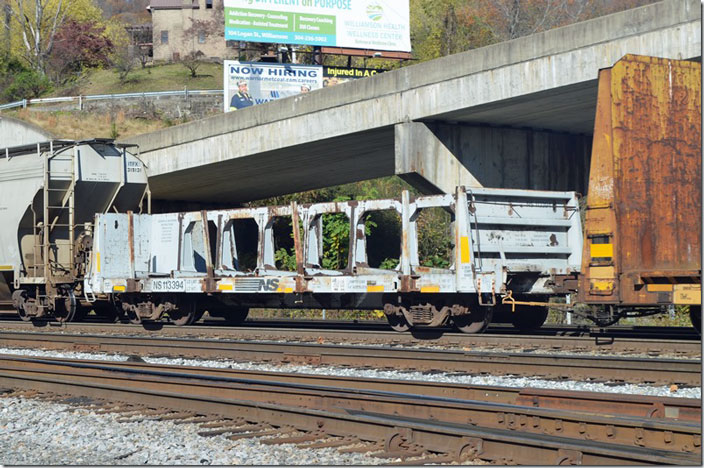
pixel 34 24
pixel 510 19
pixel 78 45
pixel 192 61
pixel 126 11
pixel 123 62
pixel 444 27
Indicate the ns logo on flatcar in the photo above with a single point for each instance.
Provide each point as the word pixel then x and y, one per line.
pixel 256 284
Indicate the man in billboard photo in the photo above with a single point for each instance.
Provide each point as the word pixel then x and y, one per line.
pixel 241 98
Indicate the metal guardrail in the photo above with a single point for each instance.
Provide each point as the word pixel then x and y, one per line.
pixel 96 97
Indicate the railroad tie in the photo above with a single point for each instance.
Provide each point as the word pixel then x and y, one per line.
pixel 402 454
pixel 332 442
pixel 118 410
pixel 221 422
pixel 145 415
pixel 296 439
pixel 236 429
pixel 198 420
pixel 176 416
pixel 440 458
pixel 260 434
pixel 367 447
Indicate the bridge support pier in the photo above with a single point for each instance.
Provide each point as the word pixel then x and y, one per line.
pixel 435 157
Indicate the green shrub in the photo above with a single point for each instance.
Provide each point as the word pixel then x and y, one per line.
pixel 27 84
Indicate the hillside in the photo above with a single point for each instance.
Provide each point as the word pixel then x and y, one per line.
pixel 157 78
pixel 118 121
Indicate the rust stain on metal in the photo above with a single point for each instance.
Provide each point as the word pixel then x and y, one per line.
pixel 645 181
pixel 297 244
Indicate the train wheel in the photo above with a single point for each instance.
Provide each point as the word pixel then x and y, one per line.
pixel 695 315
pixel 529 318
pixel 19 300
pixel 477 320
pixel 66 306
pixel 185 314
pixel 398 323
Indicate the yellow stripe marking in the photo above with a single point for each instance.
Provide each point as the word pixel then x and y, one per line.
pixel 602 272
pixel 659 287
pixel 430 289
pixel 464 249
pixel 375 288
pixel 602 250
pixel 119 288
pixel 284 290
pixel 97 257
pixel 6 267
pixel 602 285
pixel 225 287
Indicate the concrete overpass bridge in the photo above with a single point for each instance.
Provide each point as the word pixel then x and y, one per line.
pixel 516 114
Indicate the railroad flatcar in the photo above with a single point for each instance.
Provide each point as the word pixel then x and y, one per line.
pixel 80 231
pixel 181 263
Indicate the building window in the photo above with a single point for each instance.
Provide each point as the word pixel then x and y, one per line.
pixel 164 37
pixel 201 37
pixel 208 3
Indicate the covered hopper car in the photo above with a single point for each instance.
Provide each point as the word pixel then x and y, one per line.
pixel 49 195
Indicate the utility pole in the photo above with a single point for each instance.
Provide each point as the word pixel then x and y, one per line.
pixel 317 55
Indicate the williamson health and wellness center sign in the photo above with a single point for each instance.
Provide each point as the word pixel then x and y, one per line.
pixel 358 24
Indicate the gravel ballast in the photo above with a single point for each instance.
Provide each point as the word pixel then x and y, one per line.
pixel 35 432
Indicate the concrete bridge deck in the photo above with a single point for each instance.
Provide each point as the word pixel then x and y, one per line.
pixel 515 114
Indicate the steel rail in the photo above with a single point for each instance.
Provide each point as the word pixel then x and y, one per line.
pixel 568 340
pixel 643 406
pixel 666 441
pixel 597 368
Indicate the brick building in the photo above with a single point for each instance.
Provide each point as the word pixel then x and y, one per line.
pixel 181 27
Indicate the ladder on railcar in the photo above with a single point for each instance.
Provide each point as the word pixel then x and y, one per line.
pixel 58 198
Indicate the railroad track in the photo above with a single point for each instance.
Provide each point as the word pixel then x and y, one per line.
pixel 621 340
pixel 399 422
pixel 555 366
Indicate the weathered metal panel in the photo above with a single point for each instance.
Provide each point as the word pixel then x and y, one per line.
pixel 657 150
pixel 644 207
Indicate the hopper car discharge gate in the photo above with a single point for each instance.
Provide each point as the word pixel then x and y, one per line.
pixel 182 263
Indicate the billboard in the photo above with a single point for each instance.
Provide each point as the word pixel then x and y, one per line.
pixel 251 83
pixel 358 24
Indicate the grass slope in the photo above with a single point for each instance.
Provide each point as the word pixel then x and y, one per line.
pixel 158 78
pixel 82 125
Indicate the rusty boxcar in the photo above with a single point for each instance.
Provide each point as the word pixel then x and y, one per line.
pixel 643 227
